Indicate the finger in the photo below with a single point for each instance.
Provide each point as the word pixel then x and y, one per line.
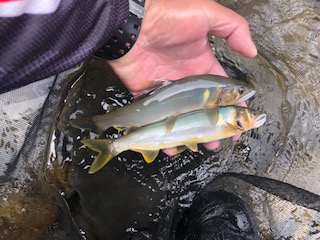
pixel 212 145
pixel 236 137
pixel 170 151
pixel 229 25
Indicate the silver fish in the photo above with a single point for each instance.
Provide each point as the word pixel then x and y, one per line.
pixel 181 96
pixel 189 129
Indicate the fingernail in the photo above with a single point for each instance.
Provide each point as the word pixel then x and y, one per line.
pixel 253 50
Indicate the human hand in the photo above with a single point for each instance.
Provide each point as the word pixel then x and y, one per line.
pixel 173 43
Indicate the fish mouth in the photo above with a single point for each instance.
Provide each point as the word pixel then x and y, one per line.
pixel 260 120
pixel 247 96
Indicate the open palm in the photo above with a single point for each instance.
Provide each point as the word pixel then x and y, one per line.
pixel 173 43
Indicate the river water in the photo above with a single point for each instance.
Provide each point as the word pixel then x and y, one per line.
pixel 130 199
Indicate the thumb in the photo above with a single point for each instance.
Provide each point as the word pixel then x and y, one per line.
pixel 232 27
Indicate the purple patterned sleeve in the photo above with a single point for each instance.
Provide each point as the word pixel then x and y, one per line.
pixel 36 46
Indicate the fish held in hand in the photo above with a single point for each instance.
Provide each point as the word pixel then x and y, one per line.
pixel 189 129
pixel 180 96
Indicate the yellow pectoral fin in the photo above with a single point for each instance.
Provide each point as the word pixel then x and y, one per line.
pixel 193 146
pixel 148 155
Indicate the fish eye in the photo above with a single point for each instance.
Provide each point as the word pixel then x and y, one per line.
pixel 241 90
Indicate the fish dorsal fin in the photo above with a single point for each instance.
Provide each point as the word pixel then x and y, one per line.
pixel 129 130
pixel 193 146
pixel 151 91
pixel 119 128
pixel 169 123
pixel 148 155
pixel 213 116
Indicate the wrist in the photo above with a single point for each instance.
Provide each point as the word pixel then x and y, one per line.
pixel 126 34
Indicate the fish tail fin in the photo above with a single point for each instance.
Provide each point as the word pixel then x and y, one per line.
pixel 104 148
pixel 86 123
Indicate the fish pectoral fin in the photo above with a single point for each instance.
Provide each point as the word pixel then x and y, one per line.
pixel 209 106
pixel 148 155
pixel 213 116
pixel 209 101
pixel 232 126
pixel 169 124
pixel 193 146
